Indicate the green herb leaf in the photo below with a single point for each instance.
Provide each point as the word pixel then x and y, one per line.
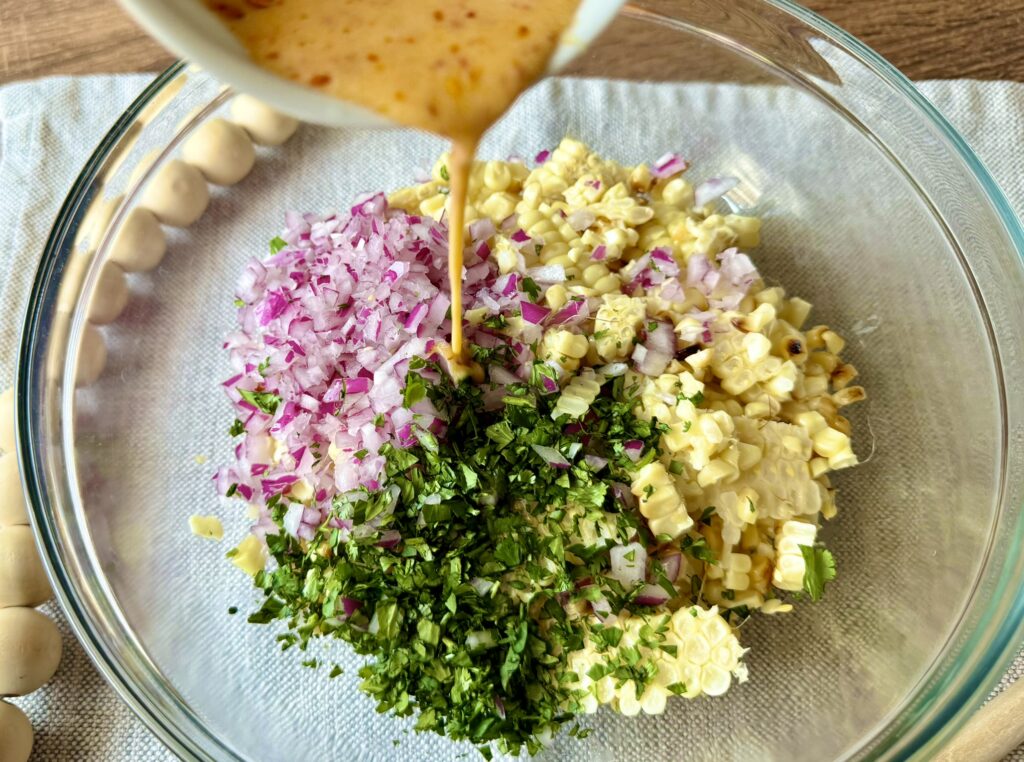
pixel 820 568
pixel 265 401
pixel 276 244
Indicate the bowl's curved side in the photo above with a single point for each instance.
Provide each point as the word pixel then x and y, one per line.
pixel 972 663
pixel 46 335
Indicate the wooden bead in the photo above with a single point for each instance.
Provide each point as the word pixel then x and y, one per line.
pixel 15 734
pixel 140 244
pixel 265 125
pixel 222 151
pixel 30 649
pixel 23 580
pixel 178 195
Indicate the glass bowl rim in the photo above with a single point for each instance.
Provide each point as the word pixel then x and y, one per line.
pixel 955 707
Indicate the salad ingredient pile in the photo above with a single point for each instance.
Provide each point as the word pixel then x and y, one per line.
pixel 640 463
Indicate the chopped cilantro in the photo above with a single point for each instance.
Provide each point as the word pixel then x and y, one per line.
pixel 469 509
pixel 237 428
pixel 444 173
pixel 820 567
pixel 276 244
pixel 265 401
pixel 530 287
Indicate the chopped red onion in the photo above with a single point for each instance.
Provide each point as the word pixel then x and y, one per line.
pixel 574 312
pixel 671 565
pixel 668 165
pixel 628 564
pixel 713 188
pixel 581 219
pixel 551 456
pixel 543 156
pixel 482 586
pixel 533 313
pixel 502 376
pixel 357 385
pixel 547 274
pixel 596 462
pixel 652 595
pixel 389 539
pixel 634 449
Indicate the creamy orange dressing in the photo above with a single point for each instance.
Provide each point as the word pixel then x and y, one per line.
pixel 448 66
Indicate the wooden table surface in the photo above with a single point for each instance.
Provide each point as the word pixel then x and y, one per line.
pixel 927 39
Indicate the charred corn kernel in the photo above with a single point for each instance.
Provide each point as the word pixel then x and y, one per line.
pixel 497 175
pixel 498 206
pixel 796 312
pixel 659 501
pixel 594 273
pixel 678 193
pixel 815 386
pixel 829 442
pixel 758 409
pixel 556 296
pixel 815 337
pixel 834 343
pixel 206 526
pixel 818 466
pixel 577 396
pixel 716 471
pixel 760 318
pixel 842 459
pixel 616 324
pixel 789 559
pixel 773 296
pixel 434 206
pixel 640 178
pixel 250 556
pixel 843 375
pixel 746 231
pixel 849 395
pixel 561 344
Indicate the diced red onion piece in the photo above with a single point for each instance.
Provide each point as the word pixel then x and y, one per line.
pixel 613 369
pixel 532 313
pixel 671 565
pixel 551 456
pixel 628 564
pixel 652 595
pixel 581 219
pixel 389 539
pixel 502 376
pixel 668 165
pixel 713 188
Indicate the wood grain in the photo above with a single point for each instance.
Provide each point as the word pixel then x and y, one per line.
pixel 924 38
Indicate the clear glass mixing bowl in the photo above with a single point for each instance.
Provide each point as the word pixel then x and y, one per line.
pixel 875 210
